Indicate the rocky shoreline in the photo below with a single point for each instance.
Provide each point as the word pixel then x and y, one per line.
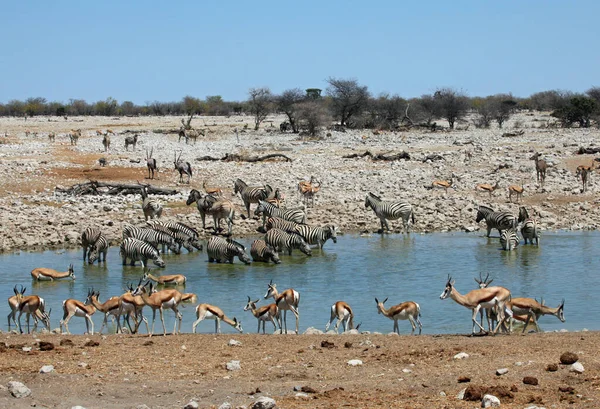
pixel 34 216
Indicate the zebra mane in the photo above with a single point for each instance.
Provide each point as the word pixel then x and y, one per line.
pixel 482 207
pixel 237 244
pixel 240 182
pixel 188 227
pixel 373 195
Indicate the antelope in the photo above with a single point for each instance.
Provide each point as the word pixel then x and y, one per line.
pixel 51 136
pixel 344 315
pixel 106 141
pixel 263 314
pixel 13 304
pixel 287 300
pixel 515 190
pixel 36 306
pixel 213 191
pixel 584 172
pixel 212 312
pixel 484 283
pixel 74 136
pixel 48 274
pixel 132 305
pixel 408 310
pixel 182 168
pixel 110 131
pixel 99 132
pixel 445 184
pixel 485 187
pixel 158 301
pixel 475 300
pixel 109 307
pixel 528 309
pixel 151 163
pixel 302 185
pixel 540 167
pixel 308 190
pixel 131 140
pixel 75 308
pixel 176 279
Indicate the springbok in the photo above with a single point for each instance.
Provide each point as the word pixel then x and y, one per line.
pixel 263 314
pixel 36 306
pixel 158 301
pixel 486 187
pixel 408 310
pixel 212 312
pixel 48 274
pixel 13 304
pixel 174 279
pixel 528 309
pixel 213 191
pixel 344 315
pixel 130 305
pixel 287 300
pixel 75 308
pixel 443 184
pixel 109 307
pixel 484 283
pixel 475 300
pixel 515 190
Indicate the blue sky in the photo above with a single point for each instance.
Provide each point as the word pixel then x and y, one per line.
pixel 144 51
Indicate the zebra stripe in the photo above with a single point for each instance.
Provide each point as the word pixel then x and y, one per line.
pixel 509 239
pixel 154 237
pixel 223 251
pixel 261 251
pixel 88 238
pixel 316 234
pixel 203 204
pixel 152 208
pixel 296 215
pixel 251 194
pixel 530 229
pixel 137 250
pixel 390 211
pixel 100 247
pixel 284 241
pixel 495 220
pixel 181 239
pixel 281 224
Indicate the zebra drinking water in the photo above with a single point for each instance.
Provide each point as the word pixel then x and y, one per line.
pixel 286 242
pixel 88 238
pixel 223 251
pixel 267 209
pixel 151 236
pixel 316 234
pixel 509 240
pixel 152 208
pixel 495 220
pixel 138 250
pixel 281 224
pixel 390 211
pixel 530 229
pixel 261 251
pixel 98 250
pixel 179 229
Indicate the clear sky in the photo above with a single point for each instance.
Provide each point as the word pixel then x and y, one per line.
pixel 144 51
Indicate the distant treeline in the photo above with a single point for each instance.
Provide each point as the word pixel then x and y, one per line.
pixel 346 102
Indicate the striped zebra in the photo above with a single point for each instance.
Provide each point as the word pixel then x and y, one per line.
pixel 261 251
pixel 88 238
pixel 223 209
pixel 151 236
pixel 390 211
pixel 286 242
pixel 251 194
pixel 509 239
pixel 281 224
pixel 179 228
pixel 267 209
pixel 223 251
pixel 152 208
pixel 316 234
pixel 495 220
pixel 203 203
pixel 98 250
pixel 138 250
pixel 530 229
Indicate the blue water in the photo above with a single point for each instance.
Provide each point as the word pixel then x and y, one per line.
pixel 356 269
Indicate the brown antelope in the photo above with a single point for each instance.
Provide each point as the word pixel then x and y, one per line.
pixel 528 309
pixel 151 164
pixel 213 191
pixel 287 300
pixel 175 279
pixel 584 172
pixel 308 190
pixel 158 301
pixel 13 304
pixel 263 314
pixel 342 311
pixel 130 305
pixel 515 190
pixel 475 300
pixel 444 184
pixel 99 133
pixel 486 187
pixel 75 308
pixel 484 283
pixel 106 141
pixel 302 185
pixel 48 274
pixel 540 167
pixel 36 306
pixel 51 136
pixel 109 307
pixel 212 312
pixel 408 310
pixel 74 136
pixel 184 168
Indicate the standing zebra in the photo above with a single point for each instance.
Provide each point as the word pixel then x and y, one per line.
pixel 154 237
pixel 261 251
pixel 223 209
pixel 495 220
pixel 152 208
pixel 281 224
pixel 88 238
pixel 131 140
pixel 284 241
pixel 203 203
pixel 251 194
pixel 179 229
pixel 316 234
pixel 267 209
pixel 98 250
pixel 530 229
pixel 180 239
pixel 509 239
pixel 74 136
pixel 390 211
pixel 138 250
pixel 106 141
pixel 223 251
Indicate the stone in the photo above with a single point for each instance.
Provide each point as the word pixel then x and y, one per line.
pixel 142 406
pixel 490 401
pixel 225 405
pixel 461 394
pixel 552 367
pixel 355 362
pixel 461 355
pixel 233 366
pixel 530 380
pixel 577 367
pixel 568 358
pixel 192 404
pixel 234 343
pixel 501 371
pixel 46 346
pixel 18 389
pixel 263 402
pixel 313 331
pixel 47 369
pixel 77 407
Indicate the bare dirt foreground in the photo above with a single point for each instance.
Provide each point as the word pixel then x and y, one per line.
pixel 397 371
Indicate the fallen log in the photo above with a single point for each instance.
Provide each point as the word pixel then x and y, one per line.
pixel 232 157
pixel 379 156
pixel 588 151
pixel 513 134
pixel 94 187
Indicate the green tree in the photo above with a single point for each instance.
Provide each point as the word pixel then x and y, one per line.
pixel 453 104
pixel 348 98
pixel 288 102
pixel 259 103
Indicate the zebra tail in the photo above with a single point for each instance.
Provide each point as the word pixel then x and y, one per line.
pixel 412 214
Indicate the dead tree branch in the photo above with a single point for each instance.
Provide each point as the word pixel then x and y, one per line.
pixel 379 156
pixel 232 157
pixel 112 189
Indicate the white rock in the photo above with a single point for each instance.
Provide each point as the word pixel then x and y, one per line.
pixel 142 406
pixel 18 390
pixel 192 404
pixel 263 403
pixel 77 407
pixel 225 405
pixel 233 366
pixel 234 343
pixel 27 349
pixel 490 401
pixel 355 362
pixel 461 394
pixel 47 369
pixel 313 331
pixel 406 370
pixel 302 395
pixel 461 355
pixel 576 367
pixel 501 371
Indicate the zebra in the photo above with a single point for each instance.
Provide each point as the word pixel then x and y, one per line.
pixel 495 220
pixel 203 203
pixel 88 238
pixel 152 208
pixel 509 239
pixel 281 224
pixel 183 168
pixel 284 241
pixel 530 229
pixel 74 136
pixel 150 236
pixel 261 251
pixel 138 250
pixel 106 141
pixel 180 239
pixel 181 229
pixel 251 194
pixel 189 134
pixel 99 250
pixel 222 209
pixel 223 251
pixel 131 140
pixel 316 234
pixel 267 209
pixel 390 211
